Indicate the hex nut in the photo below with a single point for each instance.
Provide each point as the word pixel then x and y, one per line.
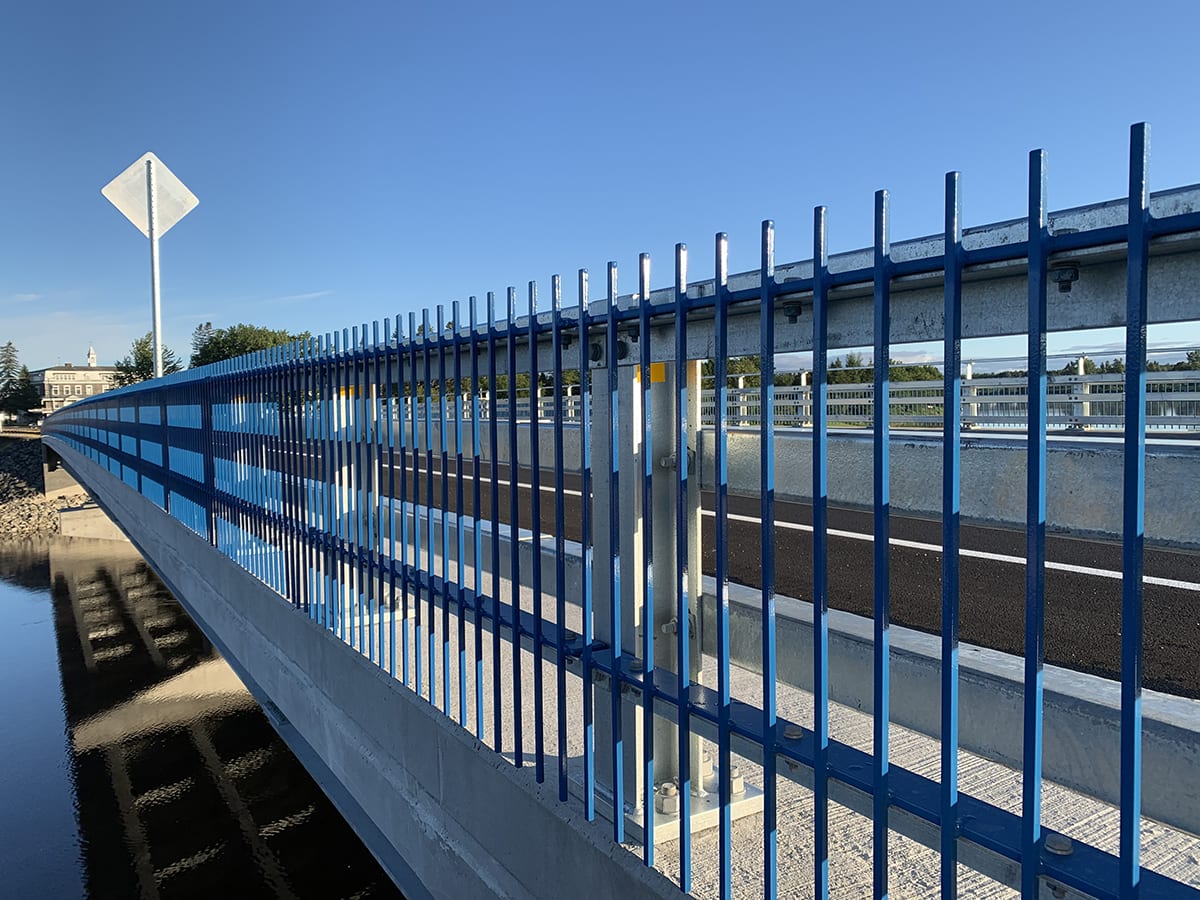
pixel 667 799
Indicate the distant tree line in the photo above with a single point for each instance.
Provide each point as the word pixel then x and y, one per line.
pixel 1116 366
pixel 854 369
pixel 209 345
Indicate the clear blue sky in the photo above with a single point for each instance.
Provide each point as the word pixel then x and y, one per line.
pixel 357 160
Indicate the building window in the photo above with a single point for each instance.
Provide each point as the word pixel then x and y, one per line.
pixel 79 390
pixel 90 389
pixel 54 390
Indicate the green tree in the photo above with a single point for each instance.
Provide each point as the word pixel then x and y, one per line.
pixel 898 371
pixel 10 368
pixel 749 366
pixel 139 364
pixel 210 345
pixel 23 396
pixel 1192 361
pixel 1072 368
pixel 855 370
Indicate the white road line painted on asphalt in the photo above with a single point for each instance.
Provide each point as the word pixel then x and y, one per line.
pixel 500 481
pixel 545 487
pixel 977 554
pixel 917 545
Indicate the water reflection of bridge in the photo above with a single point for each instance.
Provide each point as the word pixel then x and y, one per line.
pixel 183 788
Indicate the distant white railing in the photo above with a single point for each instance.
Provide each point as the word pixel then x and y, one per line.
pixel 1076 402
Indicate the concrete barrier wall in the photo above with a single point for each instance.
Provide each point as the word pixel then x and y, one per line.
pixel 445 815
pixel 1084 477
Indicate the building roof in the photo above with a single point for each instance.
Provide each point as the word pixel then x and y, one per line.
pixel 68 367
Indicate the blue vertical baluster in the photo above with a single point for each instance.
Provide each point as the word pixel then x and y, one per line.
pixel 560 527
pixel 358 503
pixel 282 473
pixel 766 441
pixel 383 499
pixel 417 567
pixel 287 439
pixel 645 381
pixel 378 487
pixel 325 399
pixel 431 546
pixel 535 525
pixel 306 450
pixel 405 395
pixel 494 490
pixel 585 531
pixel 951 458
pixel 683 616
pixel 298 406
pixel 820 516
pixel 285 513
pixel 476 519
pixel 721 470
pixel 339 492
pixel 1133 511
pixel 334 500
pixel 366 513
pixel 247 482
pixel 255 442
pixel 320 404
pixel 1035 533
pixel 349 468
pixel 295 515
pixel 443 428
pixel 461 580
pixel 254 445
pixel 321 472
pixel 883 531
pixel 337 424
pixel 614 561
pixel 265 532
pixel 514 527
pixel 354 454
pixel 392 411
pixel 262 510
pixel 298 518
pixel 269 468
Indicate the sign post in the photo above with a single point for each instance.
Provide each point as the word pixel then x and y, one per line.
pixel 150 196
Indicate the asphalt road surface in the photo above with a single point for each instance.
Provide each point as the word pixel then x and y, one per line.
pixel 1083 586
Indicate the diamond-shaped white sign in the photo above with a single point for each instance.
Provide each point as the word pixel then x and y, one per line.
pixel 128 193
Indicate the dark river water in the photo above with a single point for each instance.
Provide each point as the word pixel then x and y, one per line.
pixel 133 763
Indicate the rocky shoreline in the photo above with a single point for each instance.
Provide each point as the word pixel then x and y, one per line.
pixel 24 512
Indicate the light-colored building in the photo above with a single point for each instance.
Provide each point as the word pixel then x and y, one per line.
pixel 66 383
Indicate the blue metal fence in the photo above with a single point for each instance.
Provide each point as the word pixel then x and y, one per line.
pixel 307 466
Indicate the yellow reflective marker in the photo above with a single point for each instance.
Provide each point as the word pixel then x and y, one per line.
pixel 658 373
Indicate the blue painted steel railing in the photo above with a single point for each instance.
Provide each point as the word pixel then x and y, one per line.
pixel 304 464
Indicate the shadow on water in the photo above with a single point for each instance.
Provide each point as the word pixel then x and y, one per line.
pixel 177 784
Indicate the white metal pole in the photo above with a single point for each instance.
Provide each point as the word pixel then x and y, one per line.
pixel 152 207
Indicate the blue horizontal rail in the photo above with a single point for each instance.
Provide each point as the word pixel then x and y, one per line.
pixel 312 467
